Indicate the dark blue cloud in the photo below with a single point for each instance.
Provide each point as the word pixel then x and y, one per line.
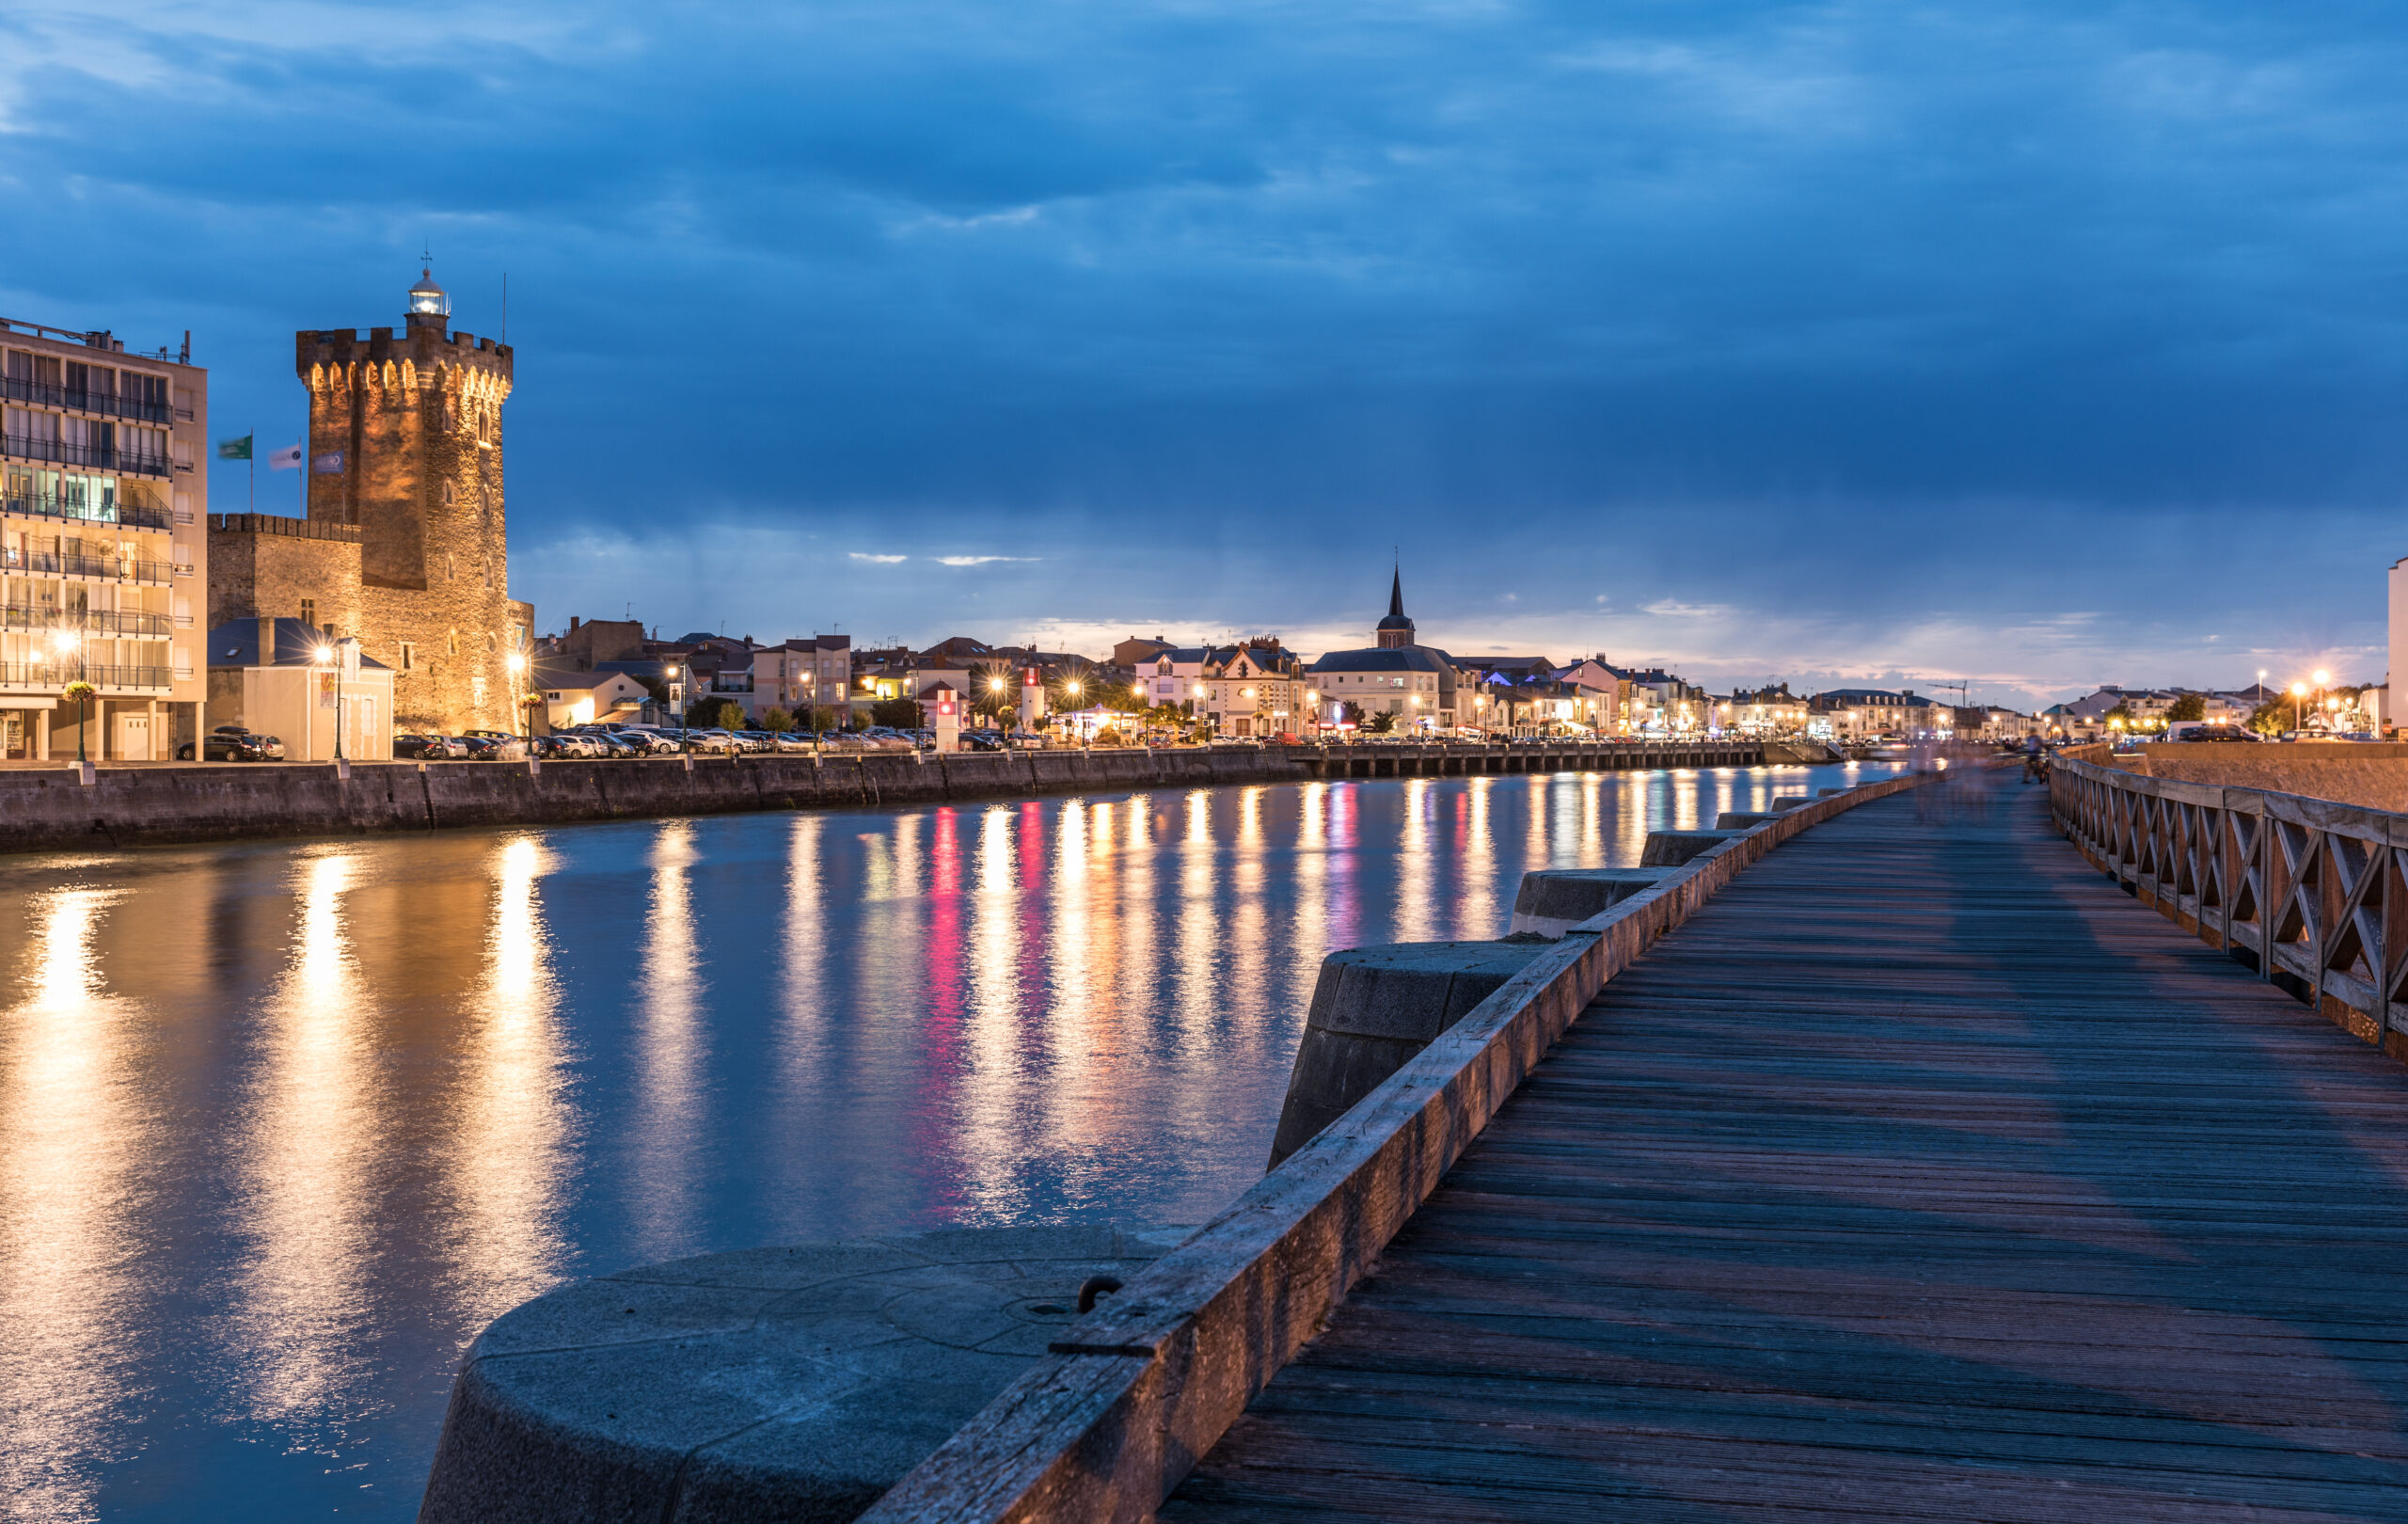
pixel 1849 338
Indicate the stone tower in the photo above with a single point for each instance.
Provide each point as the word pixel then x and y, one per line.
pixel 406 448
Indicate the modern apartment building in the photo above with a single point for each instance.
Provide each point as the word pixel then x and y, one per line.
pixel 103 568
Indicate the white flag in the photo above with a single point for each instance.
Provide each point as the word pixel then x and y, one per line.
pixel 286 459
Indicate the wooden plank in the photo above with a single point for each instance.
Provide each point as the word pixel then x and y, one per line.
pixel 1922 1174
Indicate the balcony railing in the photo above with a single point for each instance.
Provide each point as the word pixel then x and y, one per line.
pixel 104 621
pixel 92 457
pixel 107 568
pixel 107 404
pixel 107 679
pixel 135 515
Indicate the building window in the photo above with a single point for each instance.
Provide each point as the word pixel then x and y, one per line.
pixel 446 493
pixel 452 642
pixel 409 657
pixel 309 612
pixel 450 569
pixel 488 572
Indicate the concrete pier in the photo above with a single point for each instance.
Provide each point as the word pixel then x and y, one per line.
pixel 1553 901
pixel 1373 1009
pixel 779 1384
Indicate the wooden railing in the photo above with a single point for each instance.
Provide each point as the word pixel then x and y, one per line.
pixel 2308 892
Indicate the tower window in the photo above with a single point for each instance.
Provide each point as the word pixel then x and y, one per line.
pixel 450 569
pixel 408 656
pixel 446 493
pixel 452 642
pixel 309 612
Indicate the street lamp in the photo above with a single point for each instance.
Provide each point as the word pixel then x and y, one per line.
pixel 517 665
pixel 62 642
pixel 325 657
pixel 2299 692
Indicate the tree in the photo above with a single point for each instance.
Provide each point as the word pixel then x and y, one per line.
pixel 716 714
pixel 1351 712
pixel 1381 722
pixel 775 718
pixel 2272 718
pixel 2121 711
pixel 2189 707
pixel 896 713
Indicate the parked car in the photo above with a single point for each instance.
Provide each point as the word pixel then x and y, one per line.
pixel 753 740
pixel 645 742
pixel 2216 733
pixel 410 746
pixel 232 743
pixel 477 748
pixel 709 739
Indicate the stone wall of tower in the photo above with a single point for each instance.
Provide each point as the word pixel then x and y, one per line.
pixel 269 565
pixel 405 443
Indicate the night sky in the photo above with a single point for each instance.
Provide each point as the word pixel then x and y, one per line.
pixel 2037 345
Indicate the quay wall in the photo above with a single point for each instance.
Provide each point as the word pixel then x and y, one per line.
pixel 53 810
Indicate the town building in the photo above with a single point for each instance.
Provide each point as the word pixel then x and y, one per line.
pixel 319 694
pixel 1861 713
pixel 1396 675
pixel 585 698
pixel 104 570
pixel 1174 678
pixel 1596 693
pixel 1769 710
pixel 1257 689
pixel 1137 650
pixel 406 544
pixel 798 675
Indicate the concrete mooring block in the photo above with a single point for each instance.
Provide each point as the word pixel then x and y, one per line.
pixel 1553 901
pixel 1783 803
pixel 1373 1009
pixel 774 1384
pixel 1671 849
pixel 1742 819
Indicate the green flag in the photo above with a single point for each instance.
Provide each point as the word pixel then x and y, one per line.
pixel 235 449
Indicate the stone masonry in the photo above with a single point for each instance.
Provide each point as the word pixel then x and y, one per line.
pixel 406 459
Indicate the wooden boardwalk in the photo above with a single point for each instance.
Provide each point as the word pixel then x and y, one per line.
pixel 1922 1174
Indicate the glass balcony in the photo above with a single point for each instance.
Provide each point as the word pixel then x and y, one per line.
pixel 106 405
pixel 103 568
pixel 108 679
pixel 94 457
pixel 60 510
pixel 102 621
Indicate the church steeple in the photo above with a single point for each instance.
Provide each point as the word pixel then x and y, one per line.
pixel 1396 630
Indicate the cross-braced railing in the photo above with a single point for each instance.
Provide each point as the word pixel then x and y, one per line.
pixel 2310 893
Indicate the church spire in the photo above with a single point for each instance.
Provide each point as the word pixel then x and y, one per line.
pixel 1395 629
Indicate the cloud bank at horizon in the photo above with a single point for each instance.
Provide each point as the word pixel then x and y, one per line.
pixel 2032 344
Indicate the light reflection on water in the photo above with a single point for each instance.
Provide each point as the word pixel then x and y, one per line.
pixel 281 1126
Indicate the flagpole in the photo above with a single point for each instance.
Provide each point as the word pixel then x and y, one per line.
pixel 250 462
